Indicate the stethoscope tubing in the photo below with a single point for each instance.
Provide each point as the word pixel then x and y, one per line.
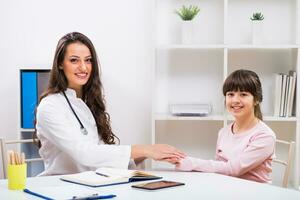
pixel 82 128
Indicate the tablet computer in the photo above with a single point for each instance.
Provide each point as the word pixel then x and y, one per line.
pixel 157 185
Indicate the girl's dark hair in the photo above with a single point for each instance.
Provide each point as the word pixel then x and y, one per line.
pixel 245 81
pixel 92 91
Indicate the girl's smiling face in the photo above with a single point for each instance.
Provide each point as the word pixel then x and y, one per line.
pixel 240 104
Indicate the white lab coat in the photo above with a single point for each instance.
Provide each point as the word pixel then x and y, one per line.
pixel 64 148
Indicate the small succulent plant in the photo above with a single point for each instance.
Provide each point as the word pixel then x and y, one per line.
pixel 187 13
pixel 257 16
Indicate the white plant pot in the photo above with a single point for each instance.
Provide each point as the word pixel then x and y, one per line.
pixel 187 32
pixel 257 32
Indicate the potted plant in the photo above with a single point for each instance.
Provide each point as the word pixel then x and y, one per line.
pixel 187 14
pixel 257 27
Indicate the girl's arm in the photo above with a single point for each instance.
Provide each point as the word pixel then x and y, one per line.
pixel 260 148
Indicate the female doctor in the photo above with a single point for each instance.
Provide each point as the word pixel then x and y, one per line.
pixel 71 120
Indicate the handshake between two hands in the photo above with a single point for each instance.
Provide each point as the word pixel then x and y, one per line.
pixel 162 152
pixel 181 164
pixel 168 153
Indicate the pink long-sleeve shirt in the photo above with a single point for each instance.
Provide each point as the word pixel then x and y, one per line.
pixel 246 155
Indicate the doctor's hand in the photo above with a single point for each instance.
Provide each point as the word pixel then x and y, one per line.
pixel 173 160
pixel 165 152
pixel 160 152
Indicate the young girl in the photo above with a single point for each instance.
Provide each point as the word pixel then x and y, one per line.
pixel 71 120
pixel 245 148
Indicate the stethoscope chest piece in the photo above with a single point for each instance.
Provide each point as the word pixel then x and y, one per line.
pixel 84 131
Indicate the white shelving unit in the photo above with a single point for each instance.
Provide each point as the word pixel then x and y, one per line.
pixel 222 43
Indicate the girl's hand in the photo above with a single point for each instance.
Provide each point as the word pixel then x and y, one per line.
pixel 185 164
pixel 173 160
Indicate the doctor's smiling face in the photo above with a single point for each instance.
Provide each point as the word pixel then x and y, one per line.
pixel 77 65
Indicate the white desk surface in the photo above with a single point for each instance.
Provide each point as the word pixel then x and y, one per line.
pixel 198 186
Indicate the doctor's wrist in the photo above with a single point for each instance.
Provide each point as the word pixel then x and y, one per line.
pixel 140 151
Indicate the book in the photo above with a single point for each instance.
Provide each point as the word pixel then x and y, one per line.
pixel 42 81
pixel 66 192
pixel 291 97
pixel 28 98
pixel 277 94
pixel 284 98
pixel 283 95
pixel 108 176
pixel 286 95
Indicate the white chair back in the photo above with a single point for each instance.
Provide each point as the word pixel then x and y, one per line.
pixel 287 162
pixel 3 148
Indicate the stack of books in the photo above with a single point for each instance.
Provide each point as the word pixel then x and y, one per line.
pixel 285 89
pixel 33 84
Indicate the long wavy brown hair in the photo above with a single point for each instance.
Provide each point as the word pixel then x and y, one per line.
pixel 92 91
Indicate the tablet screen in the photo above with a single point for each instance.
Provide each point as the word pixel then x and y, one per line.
pixel 157 185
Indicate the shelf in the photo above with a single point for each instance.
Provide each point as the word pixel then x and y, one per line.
pixel 273 46
pixel 228 46
pixel 280 119
pixel 35 68
pixel 172 117
pixel 219 118
pixel 273 119
pixel 192 46
pixel 27 129
pixel 221 44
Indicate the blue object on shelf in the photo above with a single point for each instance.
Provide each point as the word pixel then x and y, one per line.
pixel 28 98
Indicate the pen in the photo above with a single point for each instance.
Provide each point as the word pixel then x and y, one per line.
pixel 102 174
pixel 93 197
pixel 36 194
pixel 85 196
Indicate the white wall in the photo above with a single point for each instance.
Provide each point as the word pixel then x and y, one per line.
pixel 122 32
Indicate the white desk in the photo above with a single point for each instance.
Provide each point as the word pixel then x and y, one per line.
pixel 198 186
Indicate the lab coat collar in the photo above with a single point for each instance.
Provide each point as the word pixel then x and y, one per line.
pixel 71 93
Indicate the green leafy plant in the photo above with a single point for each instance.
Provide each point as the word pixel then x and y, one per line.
pixel 187 13
pixel 257 16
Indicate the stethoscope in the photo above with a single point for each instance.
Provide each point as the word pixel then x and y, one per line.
pixel 82 128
